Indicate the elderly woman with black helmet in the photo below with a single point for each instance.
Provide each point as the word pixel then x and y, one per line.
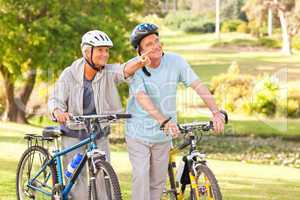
pixel 89 86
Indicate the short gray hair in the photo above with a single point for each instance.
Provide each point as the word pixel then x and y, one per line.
pixel 85 47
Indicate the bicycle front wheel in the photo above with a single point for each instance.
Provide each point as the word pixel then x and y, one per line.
pixel 29 165
pixel 207 185
pixel 106 184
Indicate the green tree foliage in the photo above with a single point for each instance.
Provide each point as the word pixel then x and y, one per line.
pixel 40 38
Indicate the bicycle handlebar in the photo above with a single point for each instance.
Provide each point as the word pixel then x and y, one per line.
pixel 101 117
pixel 202 126
pixel 81 121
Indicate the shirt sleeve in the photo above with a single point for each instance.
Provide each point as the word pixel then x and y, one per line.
pixel 60 94
pixel 117 70
pixel 137 84
pixel 186 74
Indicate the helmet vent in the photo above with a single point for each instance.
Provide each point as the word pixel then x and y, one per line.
pixel 101 37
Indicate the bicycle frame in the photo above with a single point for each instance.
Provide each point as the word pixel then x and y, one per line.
pixel 172 171
pixel 175 185
pixel 57 158
pixel 191 161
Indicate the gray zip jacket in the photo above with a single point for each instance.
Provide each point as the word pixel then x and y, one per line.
pixel 67 94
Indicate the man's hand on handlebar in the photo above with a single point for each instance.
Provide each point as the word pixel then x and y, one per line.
pixel 172 129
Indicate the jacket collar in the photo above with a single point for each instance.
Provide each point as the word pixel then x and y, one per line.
pixel 77 70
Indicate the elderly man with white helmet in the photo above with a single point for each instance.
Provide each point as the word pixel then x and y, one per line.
pixel 89 86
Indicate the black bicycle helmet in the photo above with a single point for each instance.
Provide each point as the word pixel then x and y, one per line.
pixel 141 31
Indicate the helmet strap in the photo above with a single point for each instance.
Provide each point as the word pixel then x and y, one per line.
pixel 144 69
pixel 92 64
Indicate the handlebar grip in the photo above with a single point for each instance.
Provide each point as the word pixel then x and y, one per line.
pixel 123 116
pixel 211 125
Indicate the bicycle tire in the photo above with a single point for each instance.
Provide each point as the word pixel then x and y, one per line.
pixel 110 176
pixel 214 189
pixel 29 154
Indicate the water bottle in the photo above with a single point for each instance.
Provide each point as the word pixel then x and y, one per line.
pixel 73 165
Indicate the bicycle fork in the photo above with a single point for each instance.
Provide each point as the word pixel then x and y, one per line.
pixel 93 156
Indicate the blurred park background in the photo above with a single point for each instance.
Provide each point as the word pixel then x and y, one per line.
pixel 246 51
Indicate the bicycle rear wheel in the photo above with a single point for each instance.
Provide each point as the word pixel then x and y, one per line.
pixel 106 183
pixel 208 187
pixel 30 163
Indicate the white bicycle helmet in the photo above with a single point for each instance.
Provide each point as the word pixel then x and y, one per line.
pixel 96 38
pixel 93 39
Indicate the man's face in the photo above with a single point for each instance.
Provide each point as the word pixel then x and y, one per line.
pixel 100 55
pixel 151 42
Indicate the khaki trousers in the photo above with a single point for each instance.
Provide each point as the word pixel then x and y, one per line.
pixel 149 168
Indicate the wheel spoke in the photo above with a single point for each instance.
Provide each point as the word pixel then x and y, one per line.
pixel 31 162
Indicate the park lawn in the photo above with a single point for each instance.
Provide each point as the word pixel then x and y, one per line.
pixel 238 180
pixel 190 107
pixel 208 61
pixel 238 126
pixel 284 128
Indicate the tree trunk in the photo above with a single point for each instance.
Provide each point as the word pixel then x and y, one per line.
pixel 286 42
pixel 167 5
pixel 217 31
pixel 174 5
pixel 10 112
pixel 15 108
pixel 25 95
pixel 196 7
pixel 270 22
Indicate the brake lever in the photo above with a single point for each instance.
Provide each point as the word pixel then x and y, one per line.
pixel 208 127
pixel 182 130
pixel 211 125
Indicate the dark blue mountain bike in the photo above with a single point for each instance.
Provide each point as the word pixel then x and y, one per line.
pixel 40 172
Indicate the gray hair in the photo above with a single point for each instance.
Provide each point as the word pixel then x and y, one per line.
pixel 84 48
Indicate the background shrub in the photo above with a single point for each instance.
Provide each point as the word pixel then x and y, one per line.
pixel 231 25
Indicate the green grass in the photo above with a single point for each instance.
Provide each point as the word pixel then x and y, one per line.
pixel 238 126
pixel 208 61
pixel 288 129
pixel 238 181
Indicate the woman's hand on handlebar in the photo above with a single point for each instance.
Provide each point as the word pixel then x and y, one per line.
pixel 61 117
